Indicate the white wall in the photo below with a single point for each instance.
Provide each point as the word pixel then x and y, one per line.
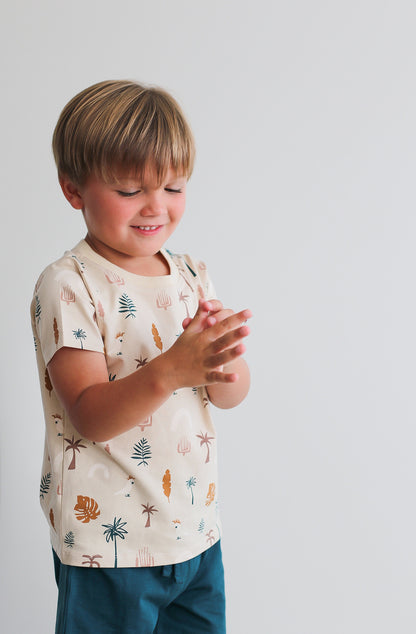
pixel 302 204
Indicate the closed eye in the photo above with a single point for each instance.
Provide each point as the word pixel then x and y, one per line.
pixel 128 194
pixel 173 191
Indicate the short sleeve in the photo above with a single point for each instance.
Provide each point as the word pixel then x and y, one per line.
pixel 63 312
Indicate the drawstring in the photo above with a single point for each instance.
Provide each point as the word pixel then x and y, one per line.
pixel 172 571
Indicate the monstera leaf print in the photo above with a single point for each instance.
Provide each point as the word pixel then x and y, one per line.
pixel 86 509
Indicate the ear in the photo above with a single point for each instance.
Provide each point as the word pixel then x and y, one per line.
pixel 71 192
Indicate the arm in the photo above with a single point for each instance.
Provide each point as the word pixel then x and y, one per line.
pixel 100 409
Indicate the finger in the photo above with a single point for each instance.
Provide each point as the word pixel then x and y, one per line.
pixel 230 323
pixel 229 339
pixel 200 316
pixel 226 356
pixel 221 377
pixel 186 322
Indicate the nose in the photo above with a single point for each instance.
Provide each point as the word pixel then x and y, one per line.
pixel 153 204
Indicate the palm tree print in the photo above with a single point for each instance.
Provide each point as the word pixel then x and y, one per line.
pixel 140 362
pixel 184 298
pixel 90 560
pixel 190 484
pixel 205 440
pixel 113 531
pixel 80 335
pixel 149 510
pixel 75 445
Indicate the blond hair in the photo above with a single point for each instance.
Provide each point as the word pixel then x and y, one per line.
pixel 118 127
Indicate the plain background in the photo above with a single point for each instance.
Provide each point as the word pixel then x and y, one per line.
pixel 303 206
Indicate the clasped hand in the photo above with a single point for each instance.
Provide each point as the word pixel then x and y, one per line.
pixel 210 341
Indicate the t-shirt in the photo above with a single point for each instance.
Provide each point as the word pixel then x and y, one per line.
pixel 148 496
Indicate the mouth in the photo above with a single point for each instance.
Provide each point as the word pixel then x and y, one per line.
pixel 147 229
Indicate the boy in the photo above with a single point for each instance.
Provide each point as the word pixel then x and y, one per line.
pixel 129 481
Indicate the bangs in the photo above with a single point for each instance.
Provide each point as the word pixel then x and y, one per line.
pixel 120 128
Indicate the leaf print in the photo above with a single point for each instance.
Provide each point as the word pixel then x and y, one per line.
pixel 45 484
pixel 156 338
pixel 52 519
pixel 126 306
pixel 142 452
pixel 149 510
pixel 69 540
pixel 48 383
pixel 210 494
pixel 80 335
pixel 67 295
pixel 86 509
pixel 201 526
pixel 38 309
pixel 167 484
pixel 55 330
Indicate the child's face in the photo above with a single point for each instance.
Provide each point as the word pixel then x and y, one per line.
pixel 129 221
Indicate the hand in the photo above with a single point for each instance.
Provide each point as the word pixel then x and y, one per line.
pixel 210 340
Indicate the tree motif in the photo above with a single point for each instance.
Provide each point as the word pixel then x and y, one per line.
pixel 69 539
pixel 142 452
pixel 90 560
pixel 75 445
pixel 45 484
pixel 190 484
pixel 205 440
pixel 149 510
pixel 184 298
pixel 210 537
pixel 80 334
pixel 126 306
pixel 140 362
pixel 113 531
pixel 201 526
pixel 38 309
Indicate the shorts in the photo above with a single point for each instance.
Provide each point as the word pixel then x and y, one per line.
pixel 185 598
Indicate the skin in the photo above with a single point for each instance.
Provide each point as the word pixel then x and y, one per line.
pixel 209 351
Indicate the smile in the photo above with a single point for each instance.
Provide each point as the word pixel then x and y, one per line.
pixel 148 229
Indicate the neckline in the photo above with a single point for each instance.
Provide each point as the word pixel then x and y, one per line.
pixel 85 250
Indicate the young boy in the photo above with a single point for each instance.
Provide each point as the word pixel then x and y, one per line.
pixel 132 347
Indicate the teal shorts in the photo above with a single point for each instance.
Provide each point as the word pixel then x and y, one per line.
pixel 185 598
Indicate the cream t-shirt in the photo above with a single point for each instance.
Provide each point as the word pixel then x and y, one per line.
pixel 147 497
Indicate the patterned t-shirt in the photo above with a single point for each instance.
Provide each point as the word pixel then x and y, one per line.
pixel 147 497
